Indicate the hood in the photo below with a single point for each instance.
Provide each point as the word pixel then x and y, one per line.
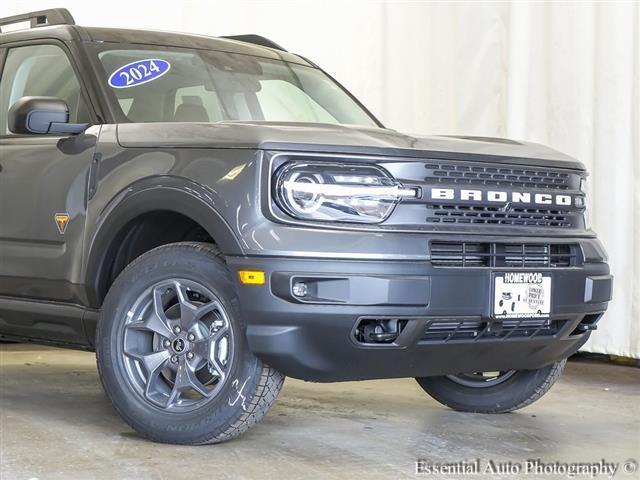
pixel 325 138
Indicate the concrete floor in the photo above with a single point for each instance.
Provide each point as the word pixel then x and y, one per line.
pixel 55 423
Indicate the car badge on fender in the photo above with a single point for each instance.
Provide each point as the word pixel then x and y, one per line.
pixel 62 220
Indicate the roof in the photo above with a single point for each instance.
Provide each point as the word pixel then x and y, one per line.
pixel 67 33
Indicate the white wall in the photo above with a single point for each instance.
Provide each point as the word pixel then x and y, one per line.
pixel 563 74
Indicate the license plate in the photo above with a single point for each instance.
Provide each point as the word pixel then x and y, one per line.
pixel 521 295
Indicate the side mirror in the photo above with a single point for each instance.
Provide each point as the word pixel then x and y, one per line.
pixel 42 115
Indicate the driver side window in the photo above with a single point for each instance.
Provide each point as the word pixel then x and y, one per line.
pixel 40 70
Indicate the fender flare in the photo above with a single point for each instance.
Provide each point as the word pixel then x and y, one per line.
pixel 157 193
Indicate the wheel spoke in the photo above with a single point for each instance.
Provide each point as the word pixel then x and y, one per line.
pixel 190 313
pixel 156 321
pixel 185 380
pixel 153 379
pixel 188 310
pixel 180 383
pixel 173 396
pixel 219 334
pixel 151 324
pixel 202 348
pixel 218 368
pixel 151 362
pixel 195 383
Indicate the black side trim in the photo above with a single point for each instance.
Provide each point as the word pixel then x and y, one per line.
pixel 43 322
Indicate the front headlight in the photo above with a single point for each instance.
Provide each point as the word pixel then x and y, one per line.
pixel 333 192
pixel 585 203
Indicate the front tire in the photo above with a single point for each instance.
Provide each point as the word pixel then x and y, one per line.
pixel 172 353
pixel 492 392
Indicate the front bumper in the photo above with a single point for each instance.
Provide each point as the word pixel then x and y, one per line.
pixel 316 340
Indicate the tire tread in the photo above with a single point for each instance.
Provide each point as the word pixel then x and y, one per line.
pixel 543 388
pixel 264 396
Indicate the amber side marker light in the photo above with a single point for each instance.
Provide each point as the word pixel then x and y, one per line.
pixel 251 277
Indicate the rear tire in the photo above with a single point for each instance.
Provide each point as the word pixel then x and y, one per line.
pixel 504 393
pixel 172 352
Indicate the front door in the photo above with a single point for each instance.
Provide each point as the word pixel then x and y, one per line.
pixel 43 195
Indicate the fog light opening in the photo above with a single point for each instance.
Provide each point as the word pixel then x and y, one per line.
pixel 379 331
pixel 300 289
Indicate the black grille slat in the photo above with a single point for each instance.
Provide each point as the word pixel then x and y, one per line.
pixel 489 215
pixel 491 176
pixel 503 255
pixel 469 329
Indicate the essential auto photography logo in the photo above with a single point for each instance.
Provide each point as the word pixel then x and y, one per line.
pixel 530 467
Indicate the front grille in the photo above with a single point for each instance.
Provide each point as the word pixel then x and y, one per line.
pixel 485 215
pixel 446 330
pixel 497 176
pixel 484 177
pixel 504 255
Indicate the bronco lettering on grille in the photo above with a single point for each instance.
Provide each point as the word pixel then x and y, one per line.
pixel 495 196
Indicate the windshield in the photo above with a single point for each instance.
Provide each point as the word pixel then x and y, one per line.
pixel 187 85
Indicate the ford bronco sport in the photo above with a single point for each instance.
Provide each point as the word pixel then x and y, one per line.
pixel 212 214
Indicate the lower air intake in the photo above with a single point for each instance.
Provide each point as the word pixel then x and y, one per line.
pixel 446 330
pixel 504 255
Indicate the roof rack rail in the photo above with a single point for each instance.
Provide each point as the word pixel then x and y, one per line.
pixel 42 18
pixel 256 40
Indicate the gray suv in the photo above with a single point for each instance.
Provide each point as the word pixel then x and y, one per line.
pixel 211 215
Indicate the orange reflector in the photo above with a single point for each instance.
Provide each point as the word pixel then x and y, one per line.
pixel 251 277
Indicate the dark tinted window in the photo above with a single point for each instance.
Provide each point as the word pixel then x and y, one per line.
pixel 188 85
pixel 40 70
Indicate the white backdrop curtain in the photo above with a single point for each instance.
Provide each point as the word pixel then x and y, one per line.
pixel 566 74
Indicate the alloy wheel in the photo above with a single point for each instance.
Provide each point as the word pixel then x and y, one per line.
pixel 481 379
pixel 177 345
